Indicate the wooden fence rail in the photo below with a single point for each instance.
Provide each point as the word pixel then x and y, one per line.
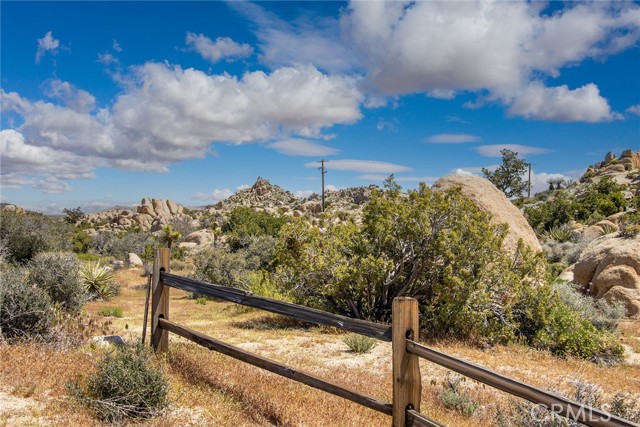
pixel 406 352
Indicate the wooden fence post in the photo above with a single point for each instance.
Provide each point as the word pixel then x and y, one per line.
pixel 407 386
pixel 160 300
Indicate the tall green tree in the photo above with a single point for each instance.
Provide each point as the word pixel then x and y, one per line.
pixel 508 177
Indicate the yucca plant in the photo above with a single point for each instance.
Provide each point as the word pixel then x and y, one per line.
pixel 359 343
pixel 99 281
pixel 560 234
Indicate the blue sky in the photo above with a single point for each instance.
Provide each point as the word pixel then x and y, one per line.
pixel 104 103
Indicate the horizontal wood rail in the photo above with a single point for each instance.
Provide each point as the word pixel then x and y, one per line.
pixel 298 312
pixel 276 368
pixel 416 419
pixel 558 404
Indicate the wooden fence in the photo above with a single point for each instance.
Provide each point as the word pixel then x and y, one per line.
pixel 406 352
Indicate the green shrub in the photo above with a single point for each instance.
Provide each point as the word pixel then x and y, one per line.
pixel 567 334
pixel 630 225
pixel 201 301
pixel 26 311
pixel 452 397
pixel 244 222
pixel 119 245
pixel 110 312
pixel 626 407
pixel 27 233
pixel 58 273
pixel 601 314
pixel 359 343
pixel 125 385
pixel 217 266
pixel 99 281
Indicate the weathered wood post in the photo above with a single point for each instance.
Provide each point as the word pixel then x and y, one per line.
pixel 407 386
pixel 160 300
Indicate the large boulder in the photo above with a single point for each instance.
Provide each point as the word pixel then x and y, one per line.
pixel 610 268
pixel 490 199
pixel 200 237
pixel 133 260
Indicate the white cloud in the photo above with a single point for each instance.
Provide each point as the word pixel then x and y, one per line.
pixel 77 99
pixel 167 114
pixel 560 104
pixel 303 194
pixel 522 150
pixel 474 169
pixel 47 44
pixel 634 109
pixel 452 46
pixel 107 59
pixel 215 51
pixel 305 40
pixel 363 166
pixel 488 47
pixel 218 195
pixel 116 46
pixel 215 196
pixel 452 138
pixel 52 185
pixel 302 147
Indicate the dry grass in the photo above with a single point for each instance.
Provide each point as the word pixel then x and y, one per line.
pixel 211 389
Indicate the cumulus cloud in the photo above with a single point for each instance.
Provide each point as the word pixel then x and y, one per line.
pixel 167 114
pixel 302 147
pixel 77 99
pixel 522 150
pixel 218 195
pixel 452 138
pixel 52 185
pixel 363 166
pixel 634 109
pixel 47 44
pixel 305 40
pixel 560 104
pixel 215 51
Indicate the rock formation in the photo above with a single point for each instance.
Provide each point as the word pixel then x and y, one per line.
pixel 490 199
pixel 610 268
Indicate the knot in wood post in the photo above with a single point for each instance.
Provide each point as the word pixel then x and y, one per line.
pixel 407 386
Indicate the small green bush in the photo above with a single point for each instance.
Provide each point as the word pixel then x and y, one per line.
pixel 125 385
pixel 26 311
pixel 601 314
pixel 626 407
pixel 359 343
pixel 561 233
pixel 58 273
pixel 201 300
pixel 454 398
pixel 110 312
pixel 630 225
pixel 27 233
pixel 99 281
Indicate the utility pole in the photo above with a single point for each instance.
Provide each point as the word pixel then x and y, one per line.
pixel 529 187
pixel 323 171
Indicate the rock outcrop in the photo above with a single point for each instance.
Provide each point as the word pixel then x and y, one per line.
pixel 610 268
pixel 151 214
pixel 490 199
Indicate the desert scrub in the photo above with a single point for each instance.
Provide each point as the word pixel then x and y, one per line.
pixel 99 281
pixel 359 343
pixel 453 397
pixel 525 414
pixel 125 385
pixel 630 225
pixel 110 312
pixel 58 273
pixel 601 314
pixel 26 311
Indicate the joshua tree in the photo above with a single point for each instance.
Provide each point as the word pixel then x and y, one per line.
pixel 169 235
